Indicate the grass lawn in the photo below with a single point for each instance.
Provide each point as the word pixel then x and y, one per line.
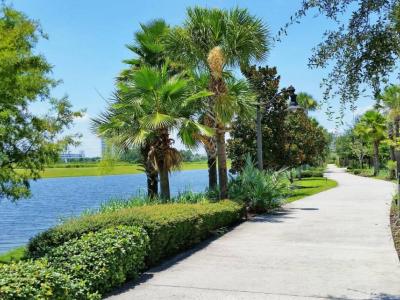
pixel 310 186
pixel 13 255
pixel 115 170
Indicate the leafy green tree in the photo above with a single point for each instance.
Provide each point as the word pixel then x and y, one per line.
pixel 264 82
pixel 372 128
pixel 364 48
pixel 306 141
pixel 150 105
pixel 212 40
pixel 291 139
pixel 27 141
pixel 272 106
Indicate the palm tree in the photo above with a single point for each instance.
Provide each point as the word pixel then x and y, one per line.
pixel 372 127
pixel 391 101
pixel 212 40
pixel 148 50
pixel 150 105
pixel 307 102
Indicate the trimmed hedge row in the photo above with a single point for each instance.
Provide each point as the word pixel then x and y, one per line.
pixel 312 173
pixel 171 227
pixel 81 268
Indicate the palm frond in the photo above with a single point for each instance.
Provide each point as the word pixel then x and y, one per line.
pixel 157 121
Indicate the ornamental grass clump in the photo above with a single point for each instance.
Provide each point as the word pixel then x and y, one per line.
pixel 259 190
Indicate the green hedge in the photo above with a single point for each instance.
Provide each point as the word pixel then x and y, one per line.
pixel 81 268
pixel 35 280
pixel 103 259
pixel 312 173
pixel 171 227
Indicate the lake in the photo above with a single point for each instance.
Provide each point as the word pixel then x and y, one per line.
pixel 56 198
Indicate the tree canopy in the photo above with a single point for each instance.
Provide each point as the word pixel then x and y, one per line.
pixel 27 141
pixel 362 51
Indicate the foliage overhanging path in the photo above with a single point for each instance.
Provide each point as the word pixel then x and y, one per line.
pixel 336 244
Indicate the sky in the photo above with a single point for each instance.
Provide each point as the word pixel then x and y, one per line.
pixel 87 41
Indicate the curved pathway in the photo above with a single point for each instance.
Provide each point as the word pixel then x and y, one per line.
pixel 333 245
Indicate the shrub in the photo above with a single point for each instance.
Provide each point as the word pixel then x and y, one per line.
pixel 171 227
pixel 312 173
pixel 391 165
pixel 39 280
pixel 81 268
pixel 260 190
pixel 104 259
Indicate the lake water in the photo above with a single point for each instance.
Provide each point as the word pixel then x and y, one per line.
pixel 56 198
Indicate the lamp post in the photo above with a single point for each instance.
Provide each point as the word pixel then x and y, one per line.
pixel 293 107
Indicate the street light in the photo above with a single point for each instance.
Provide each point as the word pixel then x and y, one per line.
pixel 293 105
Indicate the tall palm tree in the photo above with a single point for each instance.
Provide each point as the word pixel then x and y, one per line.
pixel 148 50
pixel 307 102
pixel 212 40
pixel 372 127
pixel 150 105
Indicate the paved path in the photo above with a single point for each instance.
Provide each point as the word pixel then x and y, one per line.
pixel 333 245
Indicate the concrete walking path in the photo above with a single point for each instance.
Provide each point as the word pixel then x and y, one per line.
pixel 333 245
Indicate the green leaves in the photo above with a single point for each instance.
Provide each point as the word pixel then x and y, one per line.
pixel 27 141
pixel 82 268
pixel 157 121
pixel 242 36
pixel 171 227
pixel 372 126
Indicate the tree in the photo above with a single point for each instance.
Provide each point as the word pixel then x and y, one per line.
pixel 290 139
pixel 27 141
pixel 148 50
pixel 211 40
pixel 307 102
pixel 391 101
pixel 149 106
pixel 306 141
pixel 372 127
pixel 364 48
pixel 264 82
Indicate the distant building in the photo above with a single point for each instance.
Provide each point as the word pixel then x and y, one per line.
pixel 67 156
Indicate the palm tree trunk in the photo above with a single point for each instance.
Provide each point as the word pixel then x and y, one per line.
pixel 218 87
pixel 163 167
pixel 150 170
pixel 152 184
pixel 212 172
pixel 376 158
pixel 164 183
pixel 391 149
pixel 211 150
pixel 222 165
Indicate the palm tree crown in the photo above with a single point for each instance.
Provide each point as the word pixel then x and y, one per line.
pixel 240 36
pixel 307 101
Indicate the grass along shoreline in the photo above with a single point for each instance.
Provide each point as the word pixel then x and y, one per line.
pixel 112 170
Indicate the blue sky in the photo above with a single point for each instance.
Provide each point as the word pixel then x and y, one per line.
pixel 87 45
